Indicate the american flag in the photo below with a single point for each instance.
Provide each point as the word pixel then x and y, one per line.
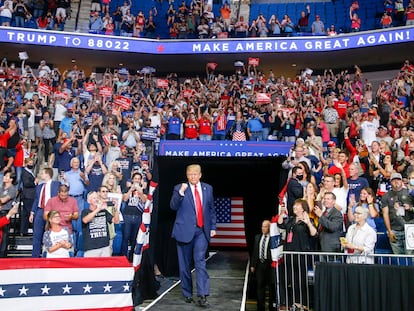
pixel 66 284
pixel 276 247
pixel 144 229
pixel 230 222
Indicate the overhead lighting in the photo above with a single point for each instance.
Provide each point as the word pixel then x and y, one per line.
pixel 293 65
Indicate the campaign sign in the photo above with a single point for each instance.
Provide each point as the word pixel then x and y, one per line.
pixel 219 149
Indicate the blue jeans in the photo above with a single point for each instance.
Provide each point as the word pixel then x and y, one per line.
pixel 19 21
pixel 129 234
pixel 204 137
pixel 19 171
pixel 398 247
pixel 266 133
pixel 256 136
pixel 219 136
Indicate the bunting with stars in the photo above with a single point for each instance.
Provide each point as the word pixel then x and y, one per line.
pixel 66 284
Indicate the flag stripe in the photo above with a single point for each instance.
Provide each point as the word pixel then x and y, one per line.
pixel 230 222
pixel 46 263
pixel 230 233
pixel 62 275
pixel 115 302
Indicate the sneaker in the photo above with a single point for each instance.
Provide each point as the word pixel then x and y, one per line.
pixel 202 301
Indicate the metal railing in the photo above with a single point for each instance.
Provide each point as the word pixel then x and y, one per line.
pixel 294 277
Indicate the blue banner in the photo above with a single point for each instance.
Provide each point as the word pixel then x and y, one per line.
pixel 216 46
pixel 223 148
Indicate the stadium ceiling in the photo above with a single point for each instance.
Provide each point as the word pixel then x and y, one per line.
pixel 376 57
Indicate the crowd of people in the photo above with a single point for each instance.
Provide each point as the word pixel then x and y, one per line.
pixel 353 144
pixel 190 20
pixel 78 149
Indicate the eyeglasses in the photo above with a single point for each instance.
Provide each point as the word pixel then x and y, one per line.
pixel 104 191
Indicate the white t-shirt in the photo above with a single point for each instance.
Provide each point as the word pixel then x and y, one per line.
pixel 44 70
pixel 60 112
pixel 369 132
pixel 155 120
pixel 341 198
pixel 62 235
pixel 31 119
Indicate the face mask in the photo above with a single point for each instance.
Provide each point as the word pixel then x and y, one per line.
pixel 412 182
pixel 299 177
pixel 30 166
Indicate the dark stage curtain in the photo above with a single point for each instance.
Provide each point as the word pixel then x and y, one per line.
pixel 257 180
pixel 346 287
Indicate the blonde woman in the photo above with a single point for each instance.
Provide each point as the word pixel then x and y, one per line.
pixel 111 182
pixel 311 192
pixel 57 240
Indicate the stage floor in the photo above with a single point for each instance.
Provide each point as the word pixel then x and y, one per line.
pixel 227 270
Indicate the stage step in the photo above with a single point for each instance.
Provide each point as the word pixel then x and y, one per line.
pixel 20 246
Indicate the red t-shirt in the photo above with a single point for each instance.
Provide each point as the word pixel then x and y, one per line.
pixel 4 139
pixel 341 106
pixel 19 159
pixel 190 129
pixel 205 127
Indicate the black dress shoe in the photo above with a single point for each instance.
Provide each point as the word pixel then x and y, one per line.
pixel 202 302
pixel 189 299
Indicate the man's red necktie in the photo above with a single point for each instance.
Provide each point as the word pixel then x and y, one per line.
pixel 43 197
pixel 199 207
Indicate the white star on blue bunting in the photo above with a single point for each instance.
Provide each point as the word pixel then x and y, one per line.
pixel 45 290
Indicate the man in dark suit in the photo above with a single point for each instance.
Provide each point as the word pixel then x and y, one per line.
pixel 194 225
pixel 28 194
pixel 261 266
pixel 44 191
pixel 330 224
pixel 294 188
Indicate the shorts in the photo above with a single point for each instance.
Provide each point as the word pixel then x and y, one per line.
pixel 4 19
pixel 32 133
pixel 38 131
pixel 61 12
pixel 96 7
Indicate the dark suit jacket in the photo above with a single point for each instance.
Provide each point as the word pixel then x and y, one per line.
pixel 29 187
pixel 294 191
pixel 54 189
pixel 332 230
pixel 254 260
pixel 186 219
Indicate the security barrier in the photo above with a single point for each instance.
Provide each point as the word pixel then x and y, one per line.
pixel 299 286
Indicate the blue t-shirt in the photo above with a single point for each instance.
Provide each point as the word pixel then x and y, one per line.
pixel 66 125
pixel 64 160
pixel 255 125
pixel 95 177
pixel 174 125
pixel 126 167
pixel 355 186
